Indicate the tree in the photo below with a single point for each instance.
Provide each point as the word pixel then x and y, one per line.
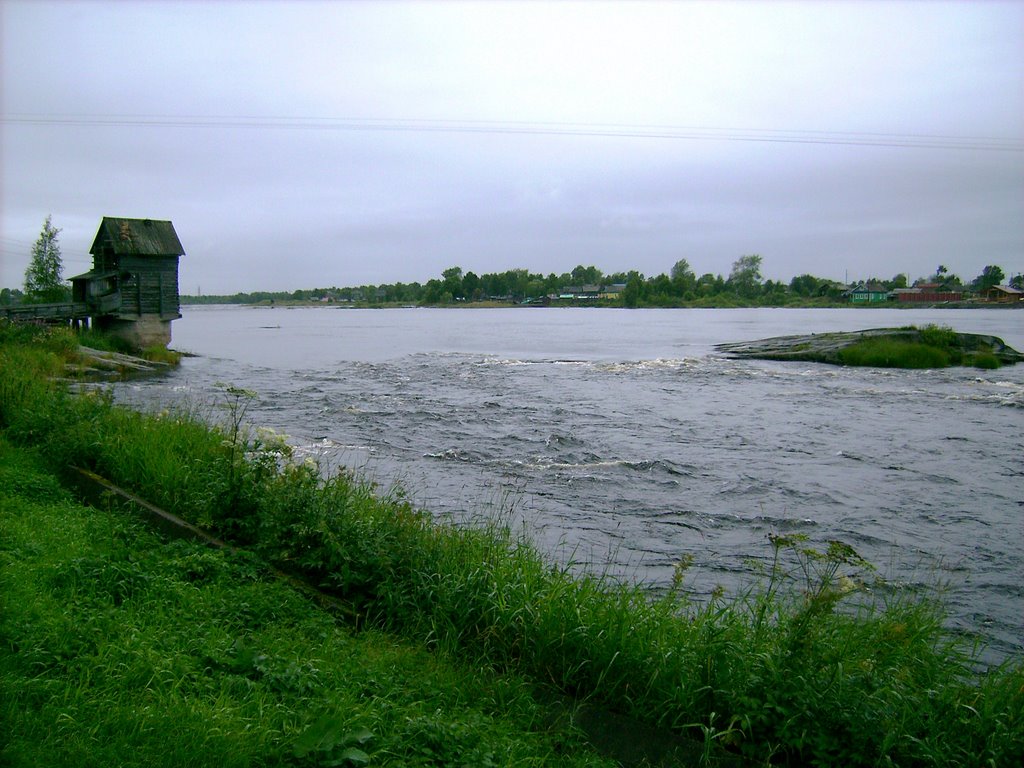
pixel 1017 281
pixel 774 290
pixel 432 291
pixel 805 285
pixel 9 296
pixel 989 277
pixel 683 278
pixel 745 278
pixel 453 281
pixel 471 286
pixel 586 275
pixel 681 271
pixel 631 293
pixel 710 285
pixel 518 279
pixel 660 289
pixel 44 281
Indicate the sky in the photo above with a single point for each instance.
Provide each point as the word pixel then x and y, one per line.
pixel 315 144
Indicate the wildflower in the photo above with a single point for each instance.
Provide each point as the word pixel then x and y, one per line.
pixel 847 585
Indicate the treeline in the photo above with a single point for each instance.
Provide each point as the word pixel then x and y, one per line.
pixel 745 285
pixel 583 283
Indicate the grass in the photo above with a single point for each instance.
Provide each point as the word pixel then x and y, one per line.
pixel 894 353
pixel 817 663
pixel 119 648
pixel 106 342
pixel 928 347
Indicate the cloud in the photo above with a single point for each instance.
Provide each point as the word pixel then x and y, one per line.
pixel 302 144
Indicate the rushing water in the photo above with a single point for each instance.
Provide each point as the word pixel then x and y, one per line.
pixel 623 440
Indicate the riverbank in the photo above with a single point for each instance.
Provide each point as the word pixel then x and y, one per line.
pixel 122 648
pixel 717 301
pixel 818 662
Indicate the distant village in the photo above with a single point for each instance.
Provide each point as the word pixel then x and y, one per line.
pixel 588 286
pixel 932 293
pixel 133 286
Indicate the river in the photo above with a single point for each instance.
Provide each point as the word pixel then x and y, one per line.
pixel 621 441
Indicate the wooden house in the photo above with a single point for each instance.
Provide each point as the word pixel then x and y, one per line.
pixel 612 291
pixel 580 292
pixel 927 295
pixel 1003 294
pixel 867 293
pixel 132 289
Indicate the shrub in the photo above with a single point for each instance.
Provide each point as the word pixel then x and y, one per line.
pixel 938 336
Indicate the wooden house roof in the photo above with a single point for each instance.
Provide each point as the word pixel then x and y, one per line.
pixel 868 288
pixel 139 237
pixel 1006 290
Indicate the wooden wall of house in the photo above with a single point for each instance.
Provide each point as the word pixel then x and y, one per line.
pixel 105 261
pixel 152 288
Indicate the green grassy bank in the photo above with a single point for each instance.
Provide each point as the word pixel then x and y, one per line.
pixel 817 664
pixel 118 648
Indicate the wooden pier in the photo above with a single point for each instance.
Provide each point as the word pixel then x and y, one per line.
pixel 74 313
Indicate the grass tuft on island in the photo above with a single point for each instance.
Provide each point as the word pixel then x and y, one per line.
pixel 818 663
pixel 906 347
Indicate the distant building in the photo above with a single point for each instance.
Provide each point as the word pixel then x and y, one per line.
pixel 927 294
pixel 589 292
pixel 867 293
pixel 1003 294
pixel 132 288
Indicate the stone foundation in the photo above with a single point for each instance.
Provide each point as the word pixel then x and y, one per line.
pixel 145 331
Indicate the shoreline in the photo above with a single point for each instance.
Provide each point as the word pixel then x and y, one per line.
pixel 606 305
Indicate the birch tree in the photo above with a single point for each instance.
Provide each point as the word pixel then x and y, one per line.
pixel 44 280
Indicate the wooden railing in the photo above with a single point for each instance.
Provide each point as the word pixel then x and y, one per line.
pixel 50 313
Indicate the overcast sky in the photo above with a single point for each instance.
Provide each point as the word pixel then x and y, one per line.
pixel 310 144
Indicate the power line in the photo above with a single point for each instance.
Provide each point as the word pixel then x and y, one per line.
pixel 842 138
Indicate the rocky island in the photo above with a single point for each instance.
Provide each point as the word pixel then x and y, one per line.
pixel 908 347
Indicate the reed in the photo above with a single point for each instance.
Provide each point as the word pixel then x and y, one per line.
pixel 815 663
